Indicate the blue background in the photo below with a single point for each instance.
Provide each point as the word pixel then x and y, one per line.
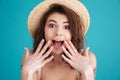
pixel 103 36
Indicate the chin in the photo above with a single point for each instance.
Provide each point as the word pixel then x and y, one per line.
pixel 57 51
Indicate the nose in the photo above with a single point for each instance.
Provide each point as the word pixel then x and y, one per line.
pixel 59 32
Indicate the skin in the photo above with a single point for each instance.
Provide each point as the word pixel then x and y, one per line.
pixel 58 66
pixel 57 28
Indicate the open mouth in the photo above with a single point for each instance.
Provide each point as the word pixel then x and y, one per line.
pixel 57 44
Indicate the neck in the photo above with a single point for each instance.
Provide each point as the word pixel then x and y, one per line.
pixel 58 59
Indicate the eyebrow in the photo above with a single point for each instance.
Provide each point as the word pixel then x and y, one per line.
pixel 56 22
pixel 52 21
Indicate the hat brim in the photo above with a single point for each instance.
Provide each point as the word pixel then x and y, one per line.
pixel 41 8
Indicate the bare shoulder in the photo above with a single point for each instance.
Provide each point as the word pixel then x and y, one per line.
pixel 93 60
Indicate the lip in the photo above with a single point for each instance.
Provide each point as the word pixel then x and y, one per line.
pixel 53 41
pixel 57 43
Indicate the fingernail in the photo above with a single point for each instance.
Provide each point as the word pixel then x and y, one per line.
pixel 88 48
pixel 51 47
pixel 65 42
pixel 52 56
pixel 70 41
pixel 25 48
pixel 62 55
pixel 82 50
pixel 42 40
pixel 49 41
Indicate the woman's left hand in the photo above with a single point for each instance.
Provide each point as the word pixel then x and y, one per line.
pixel 79 61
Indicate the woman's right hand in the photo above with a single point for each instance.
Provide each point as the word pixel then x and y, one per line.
pixel 34 62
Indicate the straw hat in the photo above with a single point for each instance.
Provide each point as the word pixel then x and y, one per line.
pixel 41 8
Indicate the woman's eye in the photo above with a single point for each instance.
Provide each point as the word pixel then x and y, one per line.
pixel 67 27
pixel 51 25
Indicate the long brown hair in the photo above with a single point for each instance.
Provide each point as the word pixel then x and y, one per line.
pixel 76 26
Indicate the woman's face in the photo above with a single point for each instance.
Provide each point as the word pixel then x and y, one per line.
pixel 57 30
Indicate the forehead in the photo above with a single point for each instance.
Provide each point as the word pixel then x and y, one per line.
pixel 57 17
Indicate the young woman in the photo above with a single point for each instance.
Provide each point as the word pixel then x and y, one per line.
pixel 58 30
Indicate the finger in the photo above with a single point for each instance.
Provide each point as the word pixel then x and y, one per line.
pixel 73 47
pixel 82 52
pixel 86 52
pixel 67 53
pixel 47 60
pixel 45 48
pixel 39 46
pixel 69 48
pixel 66 59
pixel 47 53
pixel 27 52
pixel 41 58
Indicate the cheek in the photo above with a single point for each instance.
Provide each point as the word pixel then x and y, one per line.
pixel 68 36
pixel 48 34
